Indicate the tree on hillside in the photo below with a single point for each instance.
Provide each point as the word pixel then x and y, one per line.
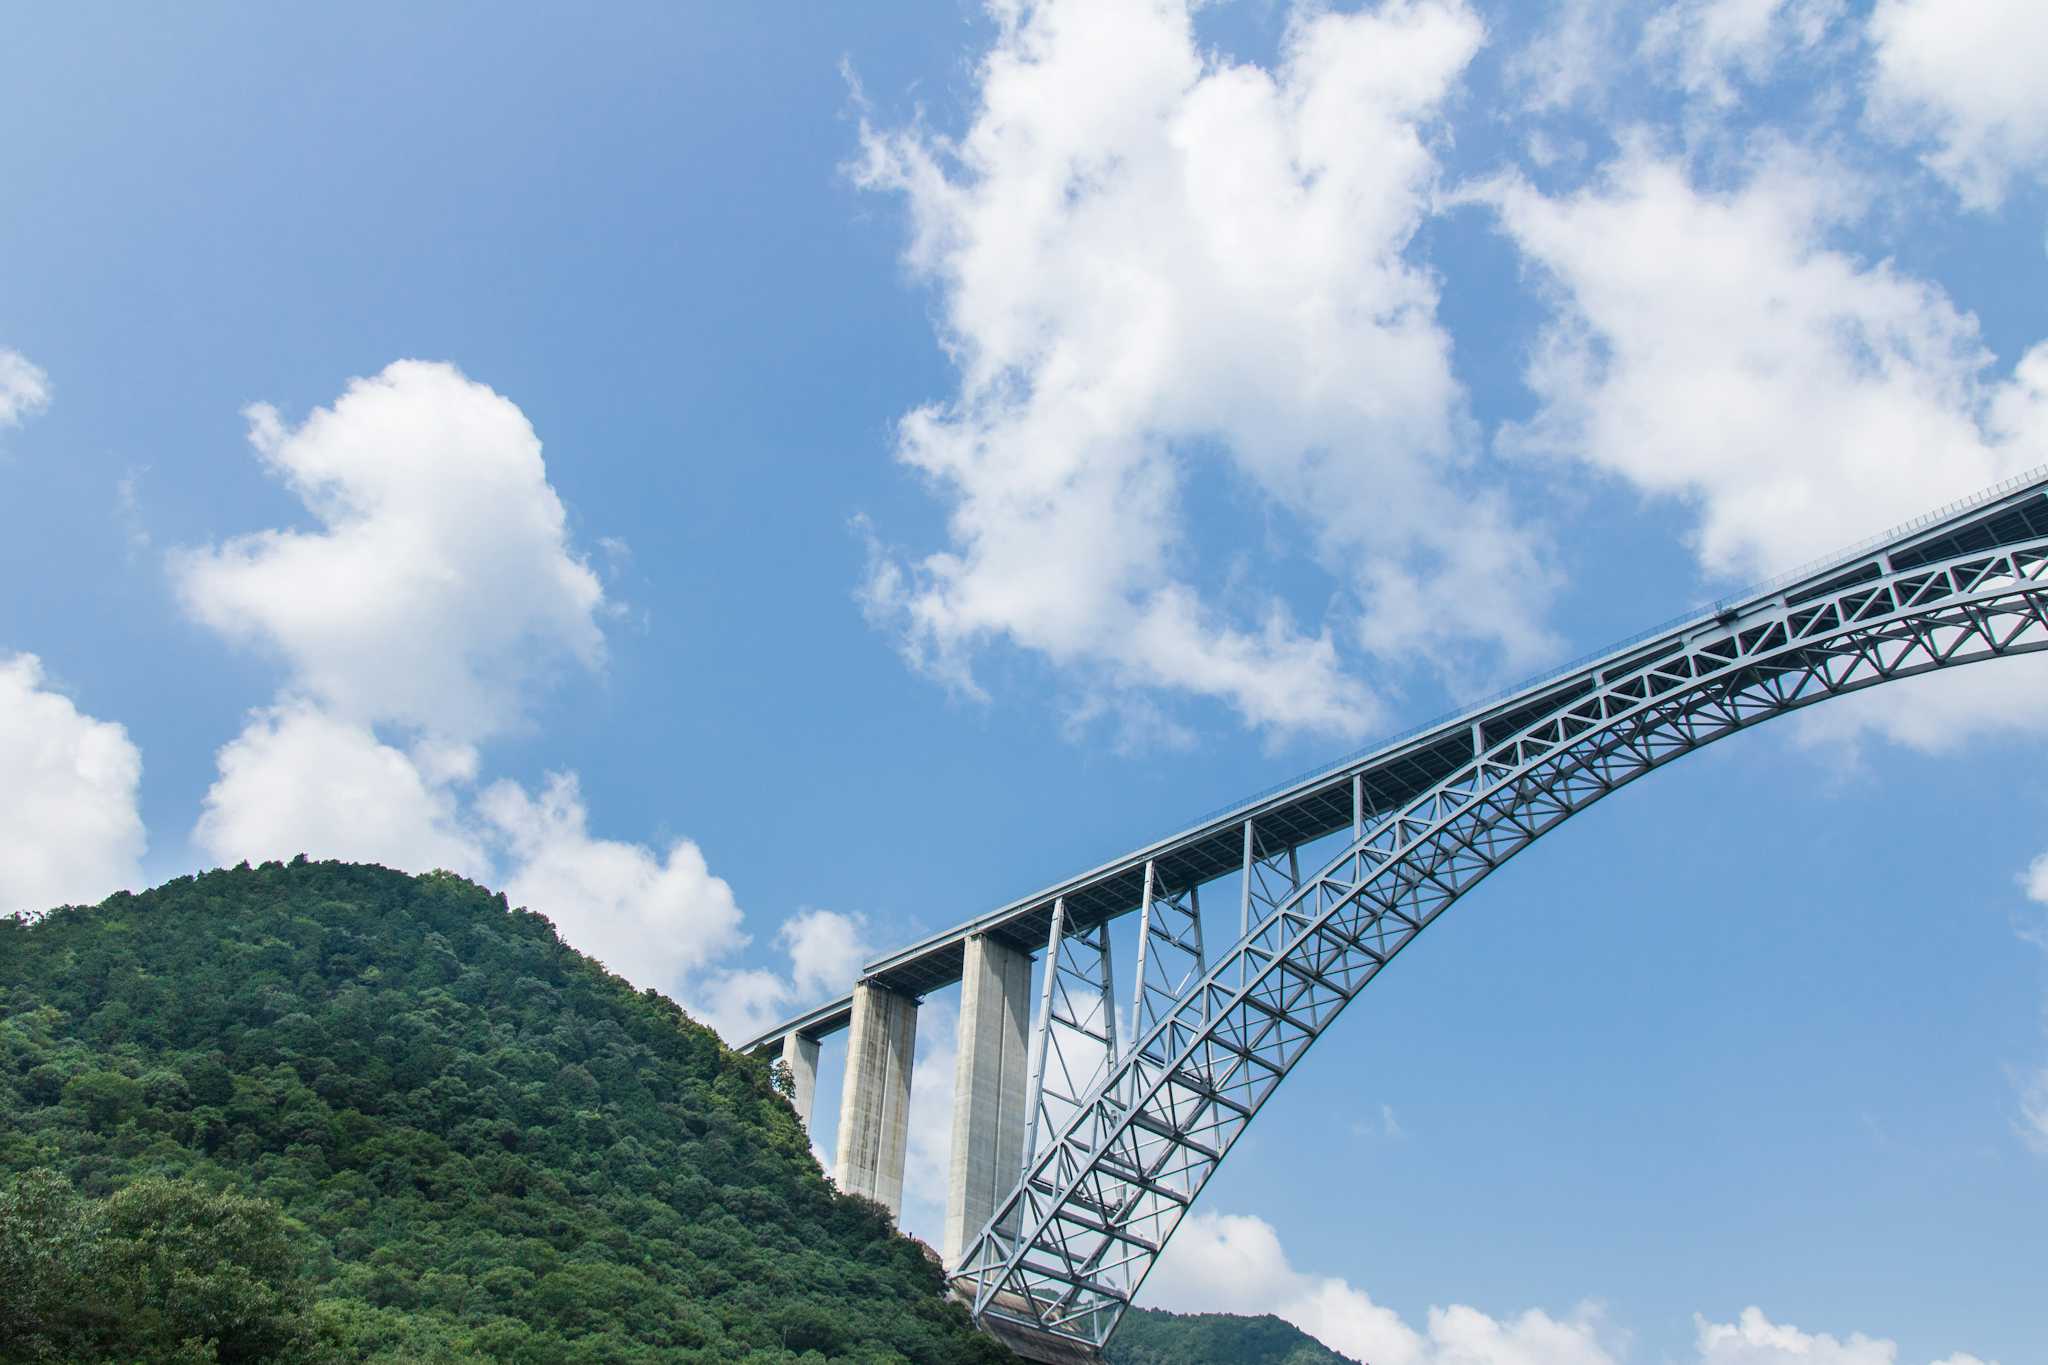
pixel 163 1270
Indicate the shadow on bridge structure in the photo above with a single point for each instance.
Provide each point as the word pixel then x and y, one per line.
pixel 1083 1133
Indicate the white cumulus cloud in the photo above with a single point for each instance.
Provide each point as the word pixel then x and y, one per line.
pixel 826 951
pixel 24 388
pixel 653 917
pixel 70 832
pixel 740 1003
pixel 1710 346
pixel 1754 1339
pixel 1155 265
pixel 417 620
pixel 1965 76
pixel 440 581
pixel 438 586
pixel 1235 1263
pixel 301 780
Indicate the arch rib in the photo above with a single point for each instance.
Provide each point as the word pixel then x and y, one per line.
pixel 1067 1250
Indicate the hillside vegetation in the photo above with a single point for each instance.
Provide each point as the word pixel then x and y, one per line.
pixel 323 1111
pixel 1149 1337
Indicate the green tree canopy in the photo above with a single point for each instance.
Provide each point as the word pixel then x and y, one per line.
pixel 347 1109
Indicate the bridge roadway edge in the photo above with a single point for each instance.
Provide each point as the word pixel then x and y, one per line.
pixel 937 961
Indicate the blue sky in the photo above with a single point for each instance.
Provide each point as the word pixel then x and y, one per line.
pixel 761 485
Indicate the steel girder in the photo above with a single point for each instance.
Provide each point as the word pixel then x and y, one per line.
pixel 1106 1186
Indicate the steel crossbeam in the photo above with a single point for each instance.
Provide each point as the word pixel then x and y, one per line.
pixel 1109 1176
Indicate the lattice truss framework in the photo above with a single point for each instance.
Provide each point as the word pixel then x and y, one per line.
pixel 1123 1142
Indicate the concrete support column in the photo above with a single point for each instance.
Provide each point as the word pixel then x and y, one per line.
pixel 800 1055
pixel 874 1107
pixel 990 1083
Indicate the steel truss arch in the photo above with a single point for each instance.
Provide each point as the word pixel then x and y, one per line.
pixel 1064 1254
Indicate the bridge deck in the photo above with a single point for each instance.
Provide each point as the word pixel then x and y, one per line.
pixel 1394 771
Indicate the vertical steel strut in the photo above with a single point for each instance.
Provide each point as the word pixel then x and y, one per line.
pixel 1075 1042
pixel 1170 955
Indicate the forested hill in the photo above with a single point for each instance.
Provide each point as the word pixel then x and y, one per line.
pixel 400 1121
pixel 1148 1337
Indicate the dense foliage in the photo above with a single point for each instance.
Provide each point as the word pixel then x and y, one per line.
pixel 1148 1337
pixel 474 1144
pixel 164 1270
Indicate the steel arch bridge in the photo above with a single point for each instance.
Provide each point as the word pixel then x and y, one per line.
pixel 1118 1141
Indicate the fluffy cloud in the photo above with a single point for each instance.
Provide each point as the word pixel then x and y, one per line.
pixel 300 780
pixel 69 829
pixel 655 919
pixel 1232 1263
pixel 437 589
pixel 1157 265
pixel 1936 714
pixel 826 950
pixel 1235 1264
pixel 440 580
pixel 24 388
pixel 1709 43
pixel 741 1003
pixel 1755 1340
pixel 1710 346
pixel 439 583
pixel 1965 76
pixel 418 620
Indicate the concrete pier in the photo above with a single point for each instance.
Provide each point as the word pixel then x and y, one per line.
pixel 800 1055
pixel 874 1106
pixel 989 1085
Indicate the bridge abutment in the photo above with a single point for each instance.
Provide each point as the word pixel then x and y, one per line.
pixel 874 1105
pixel 989 1085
